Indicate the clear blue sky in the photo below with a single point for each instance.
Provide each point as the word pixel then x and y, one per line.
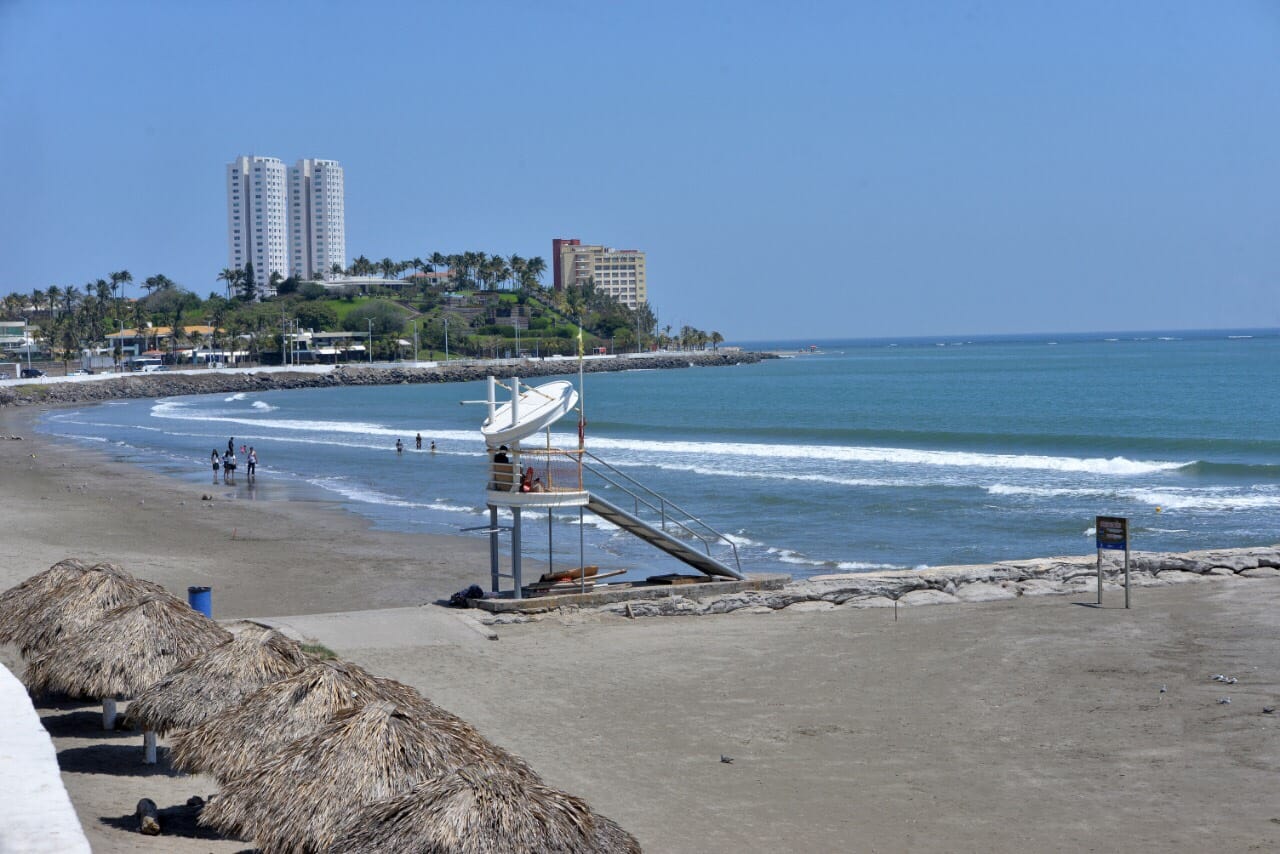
pixel 794 169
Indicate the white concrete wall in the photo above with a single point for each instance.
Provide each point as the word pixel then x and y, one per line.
pixel 36 816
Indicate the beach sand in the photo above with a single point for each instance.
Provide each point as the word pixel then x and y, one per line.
pixel 1028 725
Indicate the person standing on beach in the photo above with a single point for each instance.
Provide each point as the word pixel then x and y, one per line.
pixel 252 464
pixel 216 464
pixel 229 468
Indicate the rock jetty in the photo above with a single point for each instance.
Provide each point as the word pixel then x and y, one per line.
pixel 951 584
pixel 52 392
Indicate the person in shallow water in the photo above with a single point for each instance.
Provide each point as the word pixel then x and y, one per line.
pixel 399 447
pixel 217 463
pixel 417 442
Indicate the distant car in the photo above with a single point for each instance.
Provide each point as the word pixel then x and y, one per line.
pixel 31 373
pixel 78 374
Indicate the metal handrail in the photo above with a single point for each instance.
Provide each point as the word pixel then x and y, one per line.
pixel 661 509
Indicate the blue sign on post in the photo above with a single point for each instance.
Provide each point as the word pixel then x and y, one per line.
pixel 1112 532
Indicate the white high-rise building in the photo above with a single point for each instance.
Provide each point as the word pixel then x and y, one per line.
pixel 317 218
pixel 256 220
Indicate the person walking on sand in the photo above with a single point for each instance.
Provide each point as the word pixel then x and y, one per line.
pixel 399 447
pixel 252 465
pixel 217 463
pixel 417 442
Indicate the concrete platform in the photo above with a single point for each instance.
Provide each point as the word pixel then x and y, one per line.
pixel 36 816
pixel 629 592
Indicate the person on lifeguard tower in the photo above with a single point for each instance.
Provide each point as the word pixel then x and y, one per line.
pixel 529 483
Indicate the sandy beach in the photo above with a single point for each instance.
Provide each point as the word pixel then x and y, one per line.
pixel 1035 724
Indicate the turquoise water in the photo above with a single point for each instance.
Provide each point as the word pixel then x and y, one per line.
pixel 894 453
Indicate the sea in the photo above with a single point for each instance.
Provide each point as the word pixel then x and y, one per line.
pixel 842 456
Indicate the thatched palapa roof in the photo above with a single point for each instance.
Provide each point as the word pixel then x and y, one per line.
pixel 303 798
pixel 126 651
pixel 19 599
pixel 473 810
pixel 77 601
pixel 283 711
pixel 217 680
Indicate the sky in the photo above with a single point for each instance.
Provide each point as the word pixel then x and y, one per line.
pixel 792 170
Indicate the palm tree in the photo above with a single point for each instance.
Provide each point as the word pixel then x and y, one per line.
pixel 140 323
pixel 232 278
pixel 52 295
pixel 716 340
pixel 71 296
pixel 535 267
pixel 119 280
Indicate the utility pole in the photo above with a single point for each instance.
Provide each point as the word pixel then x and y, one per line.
pixel 446 339
pixel 369 320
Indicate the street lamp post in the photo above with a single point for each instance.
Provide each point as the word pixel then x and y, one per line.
pixel 369 320
pixel 446 339
pixel 26 339
pixel 415 340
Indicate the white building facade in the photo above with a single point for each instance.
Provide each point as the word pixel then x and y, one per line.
pixel 317 218
pixel 256 218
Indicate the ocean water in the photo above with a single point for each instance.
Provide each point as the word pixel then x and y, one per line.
pixel 862 455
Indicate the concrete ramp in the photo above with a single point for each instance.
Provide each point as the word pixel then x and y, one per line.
pixel 677 548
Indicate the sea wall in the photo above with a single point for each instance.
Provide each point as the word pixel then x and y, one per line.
pixel 953 584
pixel 54 392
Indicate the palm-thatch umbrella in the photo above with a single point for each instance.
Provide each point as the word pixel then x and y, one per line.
pixel 125 652
pixel 229 744
pixel 19 599
pixel 303 798
pixel 78 600
pixel 217 680
pixel 474 810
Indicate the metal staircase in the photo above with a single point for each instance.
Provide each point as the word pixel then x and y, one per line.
pixel 669 527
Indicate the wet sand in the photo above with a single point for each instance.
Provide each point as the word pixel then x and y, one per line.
pixel 1035 724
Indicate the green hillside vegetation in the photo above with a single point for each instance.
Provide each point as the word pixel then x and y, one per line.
pixel 487 306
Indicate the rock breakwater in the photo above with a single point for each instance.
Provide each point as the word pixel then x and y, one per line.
pixel 953 584
pixel 52 392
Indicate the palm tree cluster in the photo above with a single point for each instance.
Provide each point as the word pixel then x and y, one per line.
pixel 466 269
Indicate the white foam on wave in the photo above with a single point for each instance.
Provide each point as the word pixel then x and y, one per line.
pixel 1168 498
pixel 238 396
pixel 893 456
pixel 1207 499
pixel 263 406
pixel 184 411
pixel 362 494
pixel 796 558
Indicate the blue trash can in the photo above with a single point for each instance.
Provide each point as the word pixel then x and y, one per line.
pixel 201 599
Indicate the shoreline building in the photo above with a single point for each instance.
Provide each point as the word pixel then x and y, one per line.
pixel 317 218
pixel 256 221
pixel 620 273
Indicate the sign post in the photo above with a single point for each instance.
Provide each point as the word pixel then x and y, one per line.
pixel 1113 533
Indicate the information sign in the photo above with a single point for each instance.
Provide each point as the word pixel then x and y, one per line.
pixel 1112 532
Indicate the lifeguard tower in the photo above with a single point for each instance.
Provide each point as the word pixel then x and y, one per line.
pixel 524 473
